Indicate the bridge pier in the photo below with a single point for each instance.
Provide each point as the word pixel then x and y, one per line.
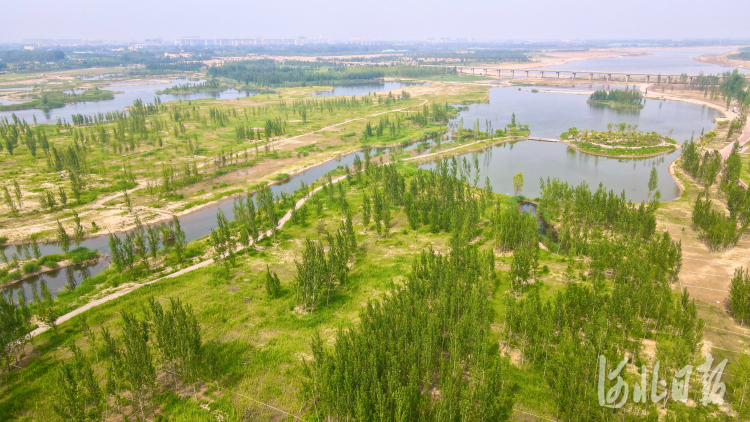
pixel 573 77
pixel 527 74
pixel 609 77
pixel 647 78
pixel 542 75
pixel 558 75
pixel 627 79
pixel 512 73
pixel 591 76
pixel 669 79
pixel 691 80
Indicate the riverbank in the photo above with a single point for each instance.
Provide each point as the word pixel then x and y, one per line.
pixel 722 59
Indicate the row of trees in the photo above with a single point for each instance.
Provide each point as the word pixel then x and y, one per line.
pixel 144 242
pixel 631 98
pixel 322 270
pixel 717 228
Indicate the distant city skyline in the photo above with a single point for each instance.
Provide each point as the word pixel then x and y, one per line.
pixel 385 20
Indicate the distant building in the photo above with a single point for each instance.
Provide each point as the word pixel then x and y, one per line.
pixel 176 54
pixel 28 47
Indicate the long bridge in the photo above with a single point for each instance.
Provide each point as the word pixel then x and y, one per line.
pixel 587 74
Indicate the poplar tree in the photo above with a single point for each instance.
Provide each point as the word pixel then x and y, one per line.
pixel 136 360
pixel 739 295
pixel 78 231
pixel 179 239
pixel 365 210
pixel 273 284
pixel 78 396
pixel 62 238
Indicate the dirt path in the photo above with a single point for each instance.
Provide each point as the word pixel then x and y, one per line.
pixel 744 137
pixel 186 270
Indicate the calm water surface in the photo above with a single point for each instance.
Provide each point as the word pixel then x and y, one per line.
pixel 656 61
pixel 128 92
pixel 362 89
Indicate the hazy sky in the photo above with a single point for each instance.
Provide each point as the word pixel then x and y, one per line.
pixel 383 19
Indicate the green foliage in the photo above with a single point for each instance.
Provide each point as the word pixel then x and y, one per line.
pixel 703 167
pixel 30 267
pixel 178 339
pixel 320 270
pixel 15 324
pixel 78 395
pixel 739 386
pixel 267 73
pixel 62 238
pixel 716 228
pixel 617 98
pixel 739 295
pixel 273 284
pixel 408 361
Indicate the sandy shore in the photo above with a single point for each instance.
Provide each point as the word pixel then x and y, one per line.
pixel 722 59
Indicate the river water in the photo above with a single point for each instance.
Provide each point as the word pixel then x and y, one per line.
pixel 362 89
pixel 656 61
pixel 127 93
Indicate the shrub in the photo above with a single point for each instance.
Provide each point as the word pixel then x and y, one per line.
pixel 30 267
pixel 51 261
pixel 81 254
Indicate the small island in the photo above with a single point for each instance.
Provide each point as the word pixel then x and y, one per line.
pixel 57 99
pixel 617 98
pixel 620 140
pixel 207 86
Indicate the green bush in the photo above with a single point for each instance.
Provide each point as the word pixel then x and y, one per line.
pixel 30 267
pixel 81 254
pixel 51 261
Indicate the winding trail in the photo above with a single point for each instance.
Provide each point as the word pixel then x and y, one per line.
pixel 110 297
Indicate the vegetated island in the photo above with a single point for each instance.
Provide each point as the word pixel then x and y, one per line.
pixel 625 142
pixel 57 99
pixel 23 265
pixel 207 86
pixel 617 98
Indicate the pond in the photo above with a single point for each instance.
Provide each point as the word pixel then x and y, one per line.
pixel 362 89
pixel 550 114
